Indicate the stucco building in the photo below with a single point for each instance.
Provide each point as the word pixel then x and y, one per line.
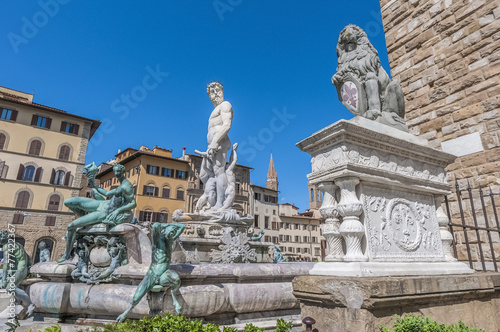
pixel 160 181
pixel 42 155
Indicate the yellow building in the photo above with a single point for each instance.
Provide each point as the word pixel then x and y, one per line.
pixel 160 181
pixel 42 155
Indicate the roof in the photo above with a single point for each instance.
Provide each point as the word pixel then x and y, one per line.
pixel 292 205
pixel 299 217
pixel 137 155
pixel 266 188
pixel 94 123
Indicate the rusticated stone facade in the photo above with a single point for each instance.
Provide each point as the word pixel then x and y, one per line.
pixel 446 54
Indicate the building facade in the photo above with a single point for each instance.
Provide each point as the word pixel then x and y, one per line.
pixel 300 235
pixel 42 156
pixel 265 211
pixel 160 181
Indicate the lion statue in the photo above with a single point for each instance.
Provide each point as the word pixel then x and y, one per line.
pixel 358 61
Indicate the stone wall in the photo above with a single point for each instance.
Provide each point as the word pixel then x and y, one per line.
pixel 446 54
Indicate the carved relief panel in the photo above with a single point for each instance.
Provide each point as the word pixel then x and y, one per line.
pixel 400 226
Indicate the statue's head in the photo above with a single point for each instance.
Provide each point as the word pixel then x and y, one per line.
pixel 354 50
pixel 42 245
pixel 119 170
pixel 215 92
pixel 4 237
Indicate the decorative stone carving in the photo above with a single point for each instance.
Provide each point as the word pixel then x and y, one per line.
pixel 330 229
pixel 351 228
pixel 98 257
pixel 401 226
pixel 446 236
pixel 363 86
pixel 234 248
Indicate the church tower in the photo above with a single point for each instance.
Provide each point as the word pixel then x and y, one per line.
pixel 272 176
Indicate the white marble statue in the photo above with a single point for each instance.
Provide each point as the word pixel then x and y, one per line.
pixel 217 175
pixel 44 252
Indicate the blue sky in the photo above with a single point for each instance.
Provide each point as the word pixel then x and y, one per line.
pixel 142 67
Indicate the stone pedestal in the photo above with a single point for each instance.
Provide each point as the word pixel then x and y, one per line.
pixel 364 304
pixel 389 186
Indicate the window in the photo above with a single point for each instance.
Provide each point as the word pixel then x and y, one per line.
pixel 54 202
pixel 167 172
pixel 180 193
pixel 18 218
pixel 296 226
pixel 69 128
pixel 274 225
pixel 145 216
pixel 29 173
pixel 59 178
pixel 50 221
pixel 314 228
pixel 266 222
pixel 150 191
pixel 41 121
pixel 297 238
pixel 288 238
pixel 290 249
pixel 8 114
pixel 275 239
pixel 314 239
pixel 238 188
pixel 267 238
pixel 23 199
pixel 180 174
pixel 155 170
pixel 312 195
pixel 287 225
pixel 305 250
pixel 35 147
pixel 316 252
pixel 304 227
pixel 64 152
pixel 306 239
pixel 281 238
pixel 274 212
pixel 257 196
pixel 256 221
pixel 3 139
pixel 165 193
pixel 298 250
pixel 162 217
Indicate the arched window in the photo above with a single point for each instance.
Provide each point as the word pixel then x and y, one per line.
pixel 165 193
pixel 59 178
pixel 64 152
pixel 29 173
pixel 3 138
pixel 35 147
pixel 54 201
pixel 23 199
pixel 180 193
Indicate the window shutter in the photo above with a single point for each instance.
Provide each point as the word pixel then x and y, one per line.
pixel 23 199
pixel 38 147
pixel 144 189
pixel 2 141
pixel 50 221
pixel 38 174
pixel 13 117
pixel 52 176
pixel 63 126
pixel 156 191
pixel 77 128
pixel 2 165
pixel 157 170
pixel 66 178
pixel 48 123
pixel 18 218
pixel 172 171
pixel 21 172
pixel 34 119
pixel 141 216
pixel 155 217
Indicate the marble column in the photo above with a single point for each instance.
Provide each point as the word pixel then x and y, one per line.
pixel 330 229
pixel 351 228
pixel 446 236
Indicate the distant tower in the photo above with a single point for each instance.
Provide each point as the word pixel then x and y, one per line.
pixel 272 176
